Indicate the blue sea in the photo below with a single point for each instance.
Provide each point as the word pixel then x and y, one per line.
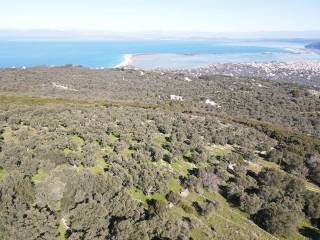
pixel 148 54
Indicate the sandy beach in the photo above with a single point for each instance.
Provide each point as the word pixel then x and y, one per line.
pixel 127 61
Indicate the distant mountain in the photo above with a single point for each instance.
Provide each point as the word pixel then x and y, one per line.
pixel 315 45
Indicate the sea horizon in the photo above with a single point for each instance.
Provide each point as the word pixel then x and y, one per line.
pixel 149 54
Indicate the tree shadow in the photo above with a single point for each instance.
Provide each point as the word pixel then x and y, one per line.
pixel 233 200
pixel 311 233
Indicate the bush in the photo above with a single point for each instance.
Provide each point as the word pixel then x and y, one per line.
pixel 274 156
pixel 209 179
pixel 173 197
pixel 250 203
pixel 187 208
pixel 157 207
pixel 167 158
pixel 205 208
pixel 313 163
pixel 312 206
pixel 276 219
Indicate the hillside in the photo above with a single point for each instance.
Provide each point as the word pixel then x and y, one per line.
pixel 124 154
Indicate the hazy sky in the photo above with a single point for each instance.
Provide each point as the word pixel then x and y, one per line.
pixel 162 15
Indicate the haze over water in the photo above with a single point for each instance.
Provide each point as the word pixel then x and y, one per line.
pixel 150 54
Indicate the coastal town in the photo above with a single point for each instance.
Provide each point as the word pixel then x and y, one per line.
pixel 305 72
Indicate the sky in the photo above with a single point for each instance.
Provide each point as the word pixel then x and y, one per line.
pixel 162 15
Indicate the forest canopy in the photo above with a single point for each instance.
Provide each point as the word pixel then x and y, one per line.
pixel 117 159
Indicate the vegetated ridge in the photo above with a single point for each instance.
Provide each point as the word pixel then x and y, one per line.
pixel 124 154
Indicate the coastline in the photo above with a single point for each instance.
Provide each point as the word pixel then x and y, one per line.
pixel 153 54
pixel 176 61
pixel 127 61
pixel 305 71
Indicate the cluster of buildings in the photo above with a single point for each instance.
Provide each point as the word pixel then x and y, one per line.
pixel 302 72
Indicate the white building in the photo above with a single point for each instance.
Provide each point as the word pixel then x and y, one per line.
pixel 176 98
pixel 212 103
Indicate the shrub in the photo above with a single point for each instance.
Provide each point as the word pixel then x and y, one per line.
pixel 250 203
pixel 276 219
pixel 173 197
